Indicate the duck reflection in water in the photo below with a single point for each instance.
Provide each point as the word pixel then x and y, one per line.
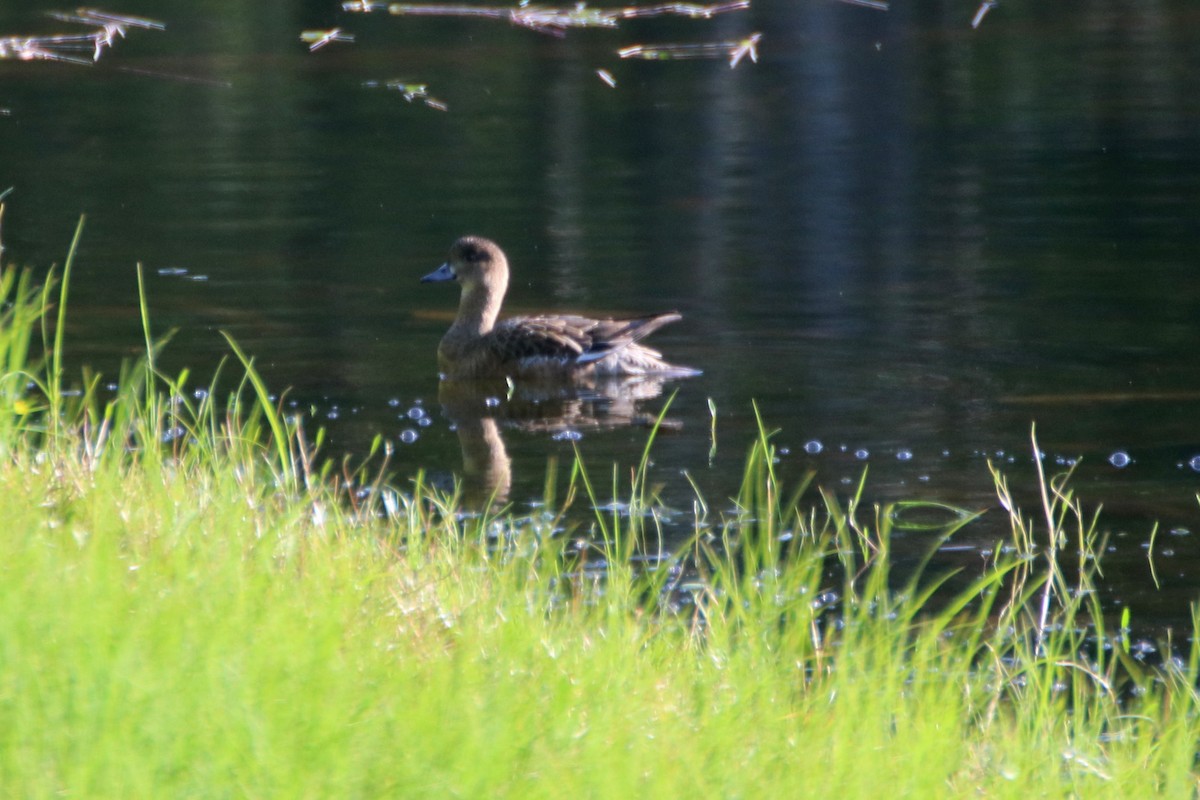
pixel 481 409
pixel 547 372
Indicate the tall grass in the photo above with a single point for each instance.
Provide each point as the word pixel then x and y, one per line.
pixel 192 606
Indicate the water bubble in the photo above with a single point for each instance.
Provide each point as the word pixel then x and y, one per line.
pixel 862 454
pixel 173 433
pixel 1120 459
pixel 567 436
pixel 1195 463
pixel 200 394
pixel 416 412
pixel 813 447
pixel 424 422
pixel 825 600
pixel 785 451
pixel 394 402
pixel 408 436
pixel 1143 648
pixel 904 455
pixel 492 402
pixel 1179 532
pixel 333 414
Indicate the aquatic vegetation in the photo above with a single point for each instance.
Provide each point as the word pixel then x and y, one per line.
pixel 192 605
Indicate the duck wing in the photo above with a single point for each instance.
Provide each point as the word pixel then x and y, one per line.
pixel 571 338
pixel 612 335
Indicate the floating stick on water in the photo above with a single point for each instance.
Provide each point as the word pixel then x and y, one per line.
pixel 984 8
pixel 37 48
pixel 607 77
pixel 318 39
pixel 747 47
pixel 878 5
pixel 363 7
pixel 98 17
pixel 62 47
pixel 552 20
pixel 411 91
pixel 734 51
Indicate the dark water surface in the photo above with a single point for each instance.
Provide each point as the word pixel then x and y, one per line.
pixel 904 239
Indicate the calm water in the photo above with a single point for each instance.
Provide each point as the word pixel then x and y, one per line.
pixel 905 240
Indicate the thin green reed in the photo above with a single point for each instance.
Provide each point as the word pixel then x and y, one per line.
pixel 54 390
pixel 279 432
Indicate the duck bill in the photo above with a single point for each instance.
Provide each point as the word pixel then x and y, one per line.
pixel 442 273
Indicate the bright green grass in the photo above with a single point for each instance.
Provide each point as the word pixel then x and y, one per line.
pixel 216 617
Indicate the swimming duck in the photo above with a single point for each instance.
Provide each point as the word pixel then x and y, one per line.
pixel 546 346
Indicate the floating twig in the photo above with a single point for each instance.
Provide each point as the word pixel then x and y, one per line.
pixel 607 77
pixel 63 47
pixel 545 19
pixel 95 16
pixel 411 91
pixel 45 48
pixel 984 8
pixel 734 51
pixel 318 39
pixel 878 5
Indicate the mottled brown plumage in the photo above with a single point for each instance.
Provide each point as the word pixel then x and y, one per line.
pixel 542 346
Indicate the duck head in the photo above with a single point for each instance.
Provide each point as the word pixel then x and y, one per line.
pixel 481 270
pixel 474 261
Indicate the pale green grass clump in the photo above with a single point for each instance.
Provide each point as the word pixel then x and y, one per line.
pixel 208 614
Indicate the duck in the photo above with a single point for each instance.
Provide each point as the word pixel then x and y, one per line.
pixel 479 345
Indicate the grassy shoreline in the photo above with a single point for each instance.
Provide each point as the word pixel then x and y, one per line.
pixel 190 606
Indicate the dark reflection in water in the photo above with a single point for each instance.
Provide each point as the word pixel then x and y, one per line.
pixel 565 410
pixel 905 240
